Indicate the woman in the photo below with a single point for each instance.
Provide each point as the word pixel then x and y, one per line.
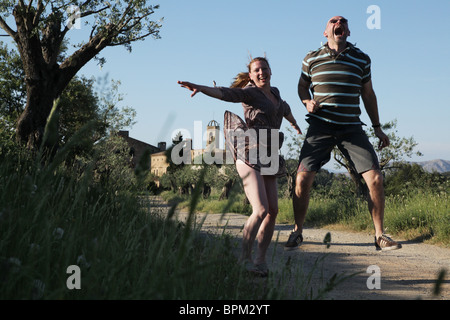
pixel 263 109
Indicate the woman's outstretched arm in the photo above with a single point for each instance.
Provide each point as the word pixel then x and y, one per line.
pixel 195 88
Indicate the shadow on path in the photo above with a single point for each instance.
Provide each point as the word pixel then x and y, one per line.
pixel 408 273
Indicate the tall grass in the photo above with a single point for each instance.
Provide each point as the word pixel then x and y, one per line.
pixel 419 215
pixel 51 219
pixel 58 214
pixel 213 204
pixel 422 215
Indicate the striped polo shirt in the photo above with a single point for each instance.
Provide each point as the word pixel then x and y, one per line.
pixel 336 82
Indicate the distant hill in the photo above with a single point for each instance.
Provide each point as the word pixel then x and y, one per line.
pixel 438 165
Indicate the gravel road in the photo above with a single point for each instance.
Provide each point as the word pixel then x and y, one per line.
pixel 405 274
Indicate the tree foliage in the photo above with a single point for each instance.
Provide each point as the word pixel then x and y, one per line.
pixel 82 101
pixel 405 178
pixel 39 29
pixel 12 86
pixel 400 148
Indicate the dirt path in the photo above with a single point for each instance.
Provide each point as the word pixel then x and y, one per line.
pixel 408 273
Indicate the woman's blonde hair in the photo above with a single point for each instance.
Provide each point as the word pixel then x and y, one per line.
pixel 243 78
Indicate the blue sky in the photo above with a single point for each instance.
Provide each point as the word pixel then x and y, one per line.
pixel 206 40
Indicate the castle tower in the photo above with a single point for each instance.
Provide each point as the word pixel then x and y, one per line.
pixel 212 135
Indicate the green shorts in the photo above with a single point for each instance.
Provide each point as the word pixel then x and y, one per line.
pixel 351 140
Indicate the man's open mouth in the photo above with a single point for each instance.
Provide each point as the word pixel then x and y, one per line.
pixel 339 31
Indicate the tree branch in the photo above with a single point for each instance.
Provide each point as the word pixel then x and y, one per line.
pixel 339 161
pixel 88 13
pixel 92 32
pixel 29 5
pixel 10 32
pixel 127 26
pixel 132 39
pixel 85 3
pixel 71 65
pixel 120 23
pixel 39 9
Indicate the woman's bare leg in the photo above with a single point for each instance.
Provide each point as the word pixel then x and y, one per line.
pixel 256 193
pixel 267 227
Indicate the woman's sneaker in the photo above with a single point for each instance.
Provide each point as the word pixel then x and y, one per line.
pixel 295 239
pixel 385 243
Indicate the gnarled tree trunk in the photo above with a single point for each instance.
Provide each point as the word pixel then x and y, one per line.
pixel 40 33
pixel 45 78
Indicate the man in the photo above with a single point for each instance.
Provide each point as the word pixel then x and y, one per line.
pixel 337 74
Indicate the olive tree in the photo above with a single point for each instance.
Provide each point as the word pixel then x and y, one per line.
pixel 39 27
pixel 399 148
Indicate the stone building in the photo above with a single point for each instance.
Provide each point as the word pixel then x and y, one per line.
pixel 158 158
pixel 137 147
pixel 159 162
pixel 212 134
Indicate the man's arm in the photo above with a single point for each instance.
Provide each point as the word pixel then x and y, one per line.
pixel 371 105
pixel 370 102
pixel 305 95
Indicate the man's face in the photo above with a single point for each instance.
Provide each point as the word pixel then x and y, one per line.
pixel 337 29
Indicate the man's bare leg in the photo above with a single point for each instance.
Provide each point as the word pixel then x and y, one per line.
pixel 300 200
pixel 376 200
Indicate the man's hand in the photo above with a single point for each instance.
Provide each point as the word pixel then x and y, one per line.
pixel 384 139
pixel 305 96
pixel 311 105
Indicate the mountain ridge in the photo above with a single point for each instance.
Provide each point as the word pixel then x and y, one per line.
pixel 437 165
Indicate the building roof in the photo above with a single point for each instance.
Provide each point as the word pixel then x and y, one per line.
pixel 213 123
